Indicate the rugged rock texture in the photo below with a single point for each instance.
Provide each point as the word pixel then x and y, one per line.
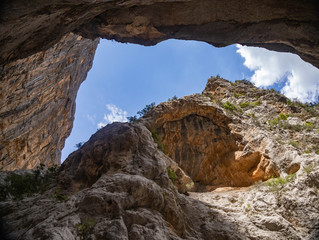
pixel 119 185
pixel 29 29
pixel 37 102
pixel 197 135
pixel 284 26
pixel 129 196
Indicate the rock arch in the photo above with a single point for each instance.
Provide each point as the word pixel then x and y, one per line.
pixel 47 48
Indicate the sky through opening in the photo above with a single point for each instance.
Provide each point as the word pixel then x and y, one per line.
pixel 126 77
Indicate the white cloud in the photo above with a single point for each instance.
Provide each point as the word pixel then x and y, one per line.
pixel 91 118
pixel 116 115
pixel 269 67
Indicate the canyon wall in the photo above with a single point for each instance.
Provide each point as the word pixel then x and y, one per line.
pixel 283 26
pixel 37 103
pixel 32 29
pixel 120 184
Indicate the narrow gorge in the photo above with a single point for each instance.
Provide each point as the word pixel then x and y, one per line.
pixel 234 162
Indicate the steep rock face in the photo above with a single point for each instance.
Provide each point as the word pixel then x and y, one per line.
pixel 277 25
pixel 29 29
pixel 199 137
pixel 119 185
pixel 234 134
pixel 121 190
pixel 38 102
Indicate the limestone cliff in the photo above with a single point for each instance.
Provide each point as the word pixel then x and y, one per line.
pixel 282 26
pixel 30 30
pixel 245 159
pixel 37 102
pixel 227 136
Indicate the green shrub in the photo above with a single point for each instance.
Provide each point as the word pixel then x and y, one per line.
pixel 276 184
pixel 85 227
pixel 218 76
pixel 278 121
pixel 146 109
pixel 257 103
pixel 274 91
pixel 157 140
pixel 308 169
pixel 229 106
pixel 244 81
pixel 296 128
pixel 189 186
pixel 307 152
pixel 236 95
pixel 273 122
pixel 173 98
pixel 283 116
pixel 252 115
pixel 59 197
pixel 79 145
pixel 289 103
pixel 171 174
pixel 248 208
pixel 244 105
pixel 293 143
pixel 132 118
pixel 309 126
pixel 17 186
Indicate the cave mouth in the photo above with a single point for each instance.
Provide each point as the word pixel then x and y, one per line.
pixel 209 153
pixel 126 77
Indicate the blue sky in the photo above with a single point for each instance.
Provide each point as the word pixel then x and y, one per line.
pixel 126 77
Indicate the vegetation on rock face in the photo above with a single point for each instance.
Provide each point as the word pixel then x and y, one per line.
pixel 229 106
pixel 244 105
pixel 59 197
pixel 309 168
pixel 244 81
pixel 132 118
pixel 309 126
pixel 146 109
pixel 85 227
pixel 279 121
pixel 18 186
pixel 293 143
pixel 79 145
pixel 172 99
pixel 257 103
pixel 157 140
pixel 277 184
pixel 171 174
pixel 142 112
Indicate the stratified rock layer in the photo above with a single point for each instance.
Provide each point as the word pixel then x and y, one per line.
pixel 277 25
pixel 37 102
pixel 29 29
pixel 119 185
pixel 199 137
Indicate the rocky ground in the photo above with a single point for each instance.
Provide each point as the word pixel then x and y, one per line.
pixel 234 162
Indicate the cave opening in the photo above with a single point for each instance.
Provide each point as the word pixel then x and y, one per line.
pixel 126 77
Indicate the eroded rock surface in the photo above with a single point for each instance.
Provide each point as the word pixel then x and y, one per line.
pixel 277 25
pixel 120 185
pixel 29 29
pixel 37 102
